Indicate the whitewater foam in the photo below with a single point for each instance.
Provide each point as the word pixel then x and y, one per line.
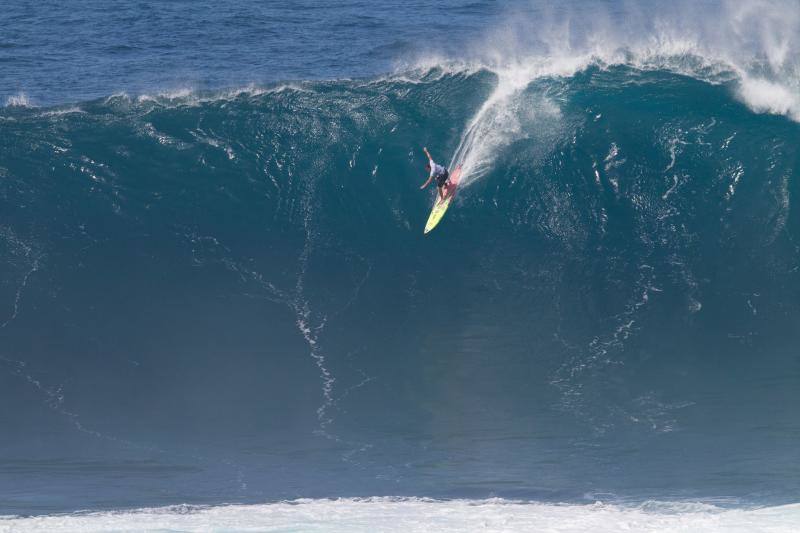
pixel 421 514
pixel 764 96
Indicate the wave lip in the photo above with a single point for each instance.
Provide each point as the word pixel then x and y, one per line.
pixel 422 514
pixel 764 96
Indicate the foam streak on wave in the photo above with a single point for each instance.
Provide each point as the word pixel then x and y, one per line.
pixel 494 125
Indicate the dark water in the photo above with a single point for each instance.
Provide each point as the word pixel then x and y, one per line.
pixel 226 296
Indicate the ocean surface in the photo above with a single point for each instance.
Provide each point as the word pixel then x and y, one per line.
pixel 218 309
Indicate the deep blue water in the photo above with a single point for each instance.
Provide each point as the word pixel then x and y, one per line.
pixel 58 52
pixel 215 286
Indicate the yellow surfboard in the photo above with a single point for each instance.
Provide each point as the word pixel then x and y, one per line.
pixel 440 206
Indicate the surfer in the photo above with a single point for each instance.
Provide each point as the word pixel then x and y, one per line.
pixel 438 172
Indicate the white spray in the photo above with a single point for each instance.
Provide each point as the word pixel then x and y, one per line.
pixel 755 44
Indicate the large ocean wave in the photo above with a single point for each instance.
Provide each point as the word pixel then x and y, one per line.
pixel 231 290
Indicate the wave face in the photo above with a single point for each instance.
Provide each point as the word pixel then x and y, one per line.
pixel 227 297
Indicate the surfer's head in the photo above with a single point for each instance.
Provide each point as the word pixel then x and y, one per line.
pixel 427 166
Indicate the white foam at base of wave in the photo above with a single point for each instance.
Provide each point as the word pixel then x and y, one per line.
pixel 418 514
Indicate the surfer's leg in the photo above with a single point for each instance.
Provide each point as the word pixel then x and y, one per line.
pixel 441 183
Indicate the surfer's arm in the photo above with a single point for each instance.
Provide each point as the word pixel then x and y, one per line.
pixel 430 159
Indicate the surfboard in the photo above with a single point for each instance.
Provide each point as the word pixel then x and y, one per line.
pixel 440 206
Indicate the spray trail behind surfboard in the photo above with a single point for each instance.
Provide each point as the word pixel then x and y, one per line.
pixel 496 124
